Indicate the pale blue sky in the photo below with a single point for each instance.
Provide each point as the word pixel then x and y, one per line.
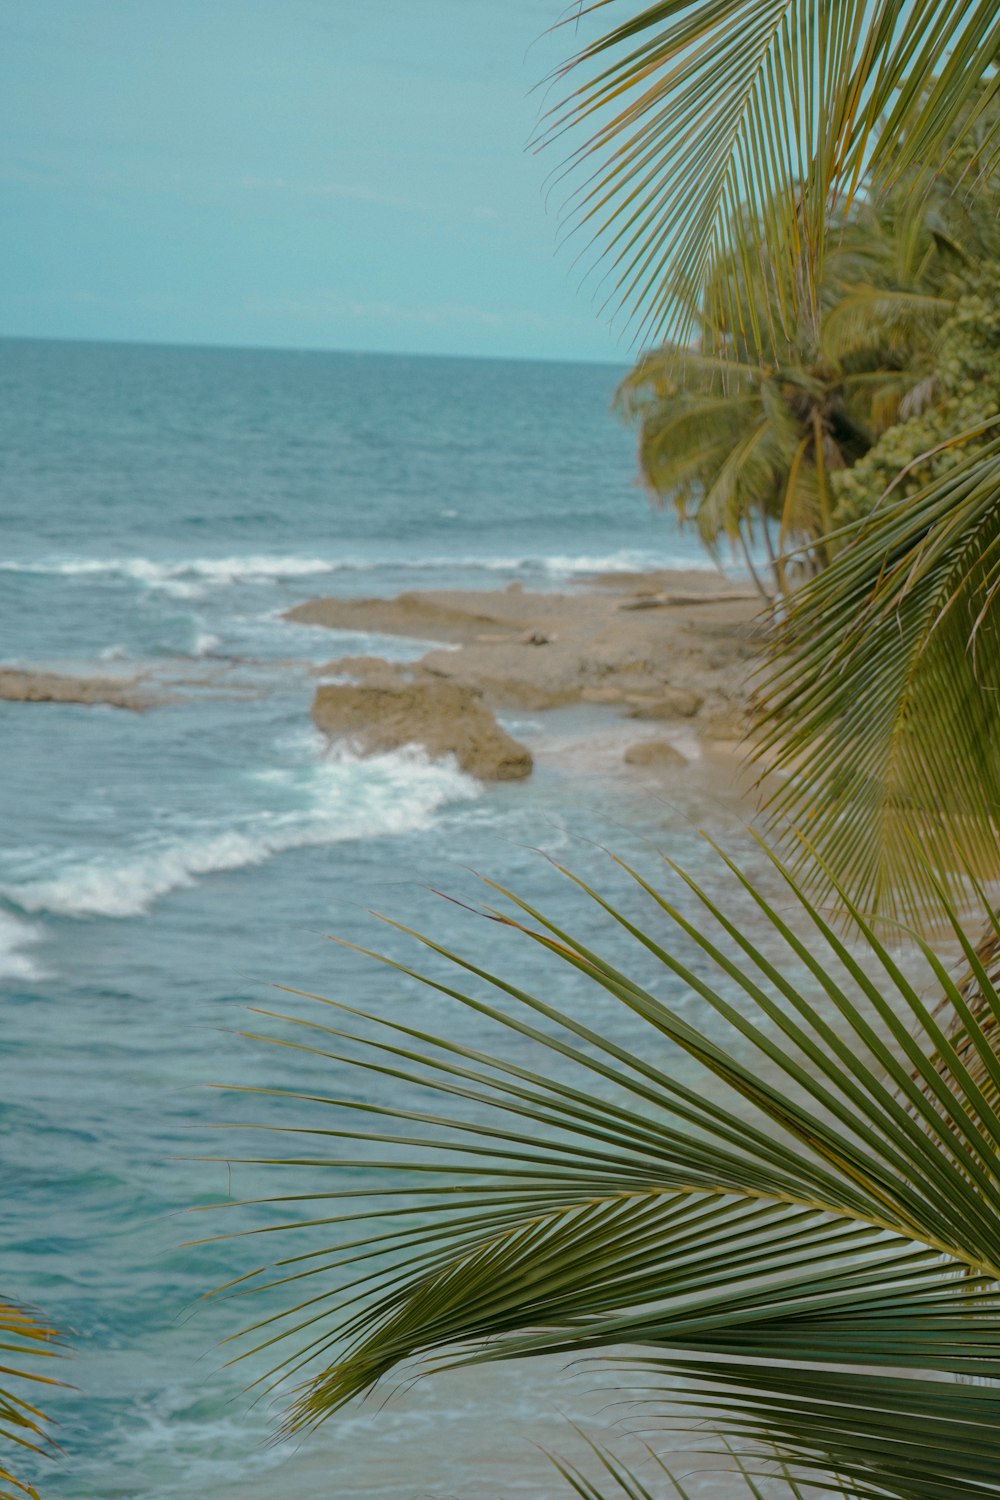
pixel 343 174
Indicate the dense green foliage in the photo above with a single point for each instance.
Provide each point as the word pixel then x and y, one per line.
pixel 738 436
pixel 806 424
pixel 882 702
pixel 965 395
pixel 735 440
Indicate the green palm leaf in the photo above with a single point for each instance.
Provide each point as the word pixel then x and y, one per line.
pixel 830 1202
pixel 893 316
pixel 880 1436
pixel 765 1475
pixel 705 117
pixel 882 708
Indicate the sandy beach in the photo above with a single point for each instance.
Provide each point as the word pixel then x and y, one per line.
pixel 667 657
pixel 669 651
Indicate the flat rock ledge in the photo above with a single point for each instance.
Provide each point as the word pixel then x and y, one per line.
pixel 446 718
pixel 682 657
pixel 20 686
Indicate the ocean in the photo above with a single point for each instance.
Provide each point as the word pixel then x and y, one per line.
pixel 161 508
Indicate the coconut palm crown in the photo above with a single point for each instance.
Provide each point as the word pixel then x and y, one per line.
pixel 755 432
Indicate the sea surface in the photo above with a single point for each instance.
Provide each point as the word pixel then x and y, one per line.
pixel 161 508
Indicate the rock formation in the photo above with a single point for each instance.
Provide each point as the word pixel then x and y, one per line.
pixel 388 710
pixel 680 657
pixel 20 686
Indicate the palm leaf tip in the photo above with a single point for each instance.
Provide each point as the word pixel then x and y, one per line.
pixel 25 1339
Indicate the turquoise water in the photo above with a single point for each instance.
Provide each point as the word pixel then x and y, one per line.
pixel 160 509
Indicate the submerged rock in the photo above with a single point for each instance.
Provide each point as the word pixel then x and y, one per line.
pixel 728 723
pixel 654 753
pixel 669 703
pixel 444 717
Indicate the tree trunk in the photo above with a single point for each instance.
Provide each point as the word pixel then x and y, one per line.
pixel 776 561
pixel 762 591
pixel 819 459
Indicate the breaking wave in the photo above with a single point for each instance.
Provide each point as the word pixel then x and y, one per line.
pixel 17 938
pixel 340 798
pixel 192 576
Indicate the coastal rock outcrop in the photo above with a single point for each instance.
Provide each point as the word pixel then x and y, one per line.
pixel 445 717
pixel 682 661
pixel 20 686
pixel 430 616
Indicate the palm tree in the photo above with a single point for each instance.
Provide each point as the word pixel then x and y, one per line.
pixel 744 428
pixel 908 253
pixel 806 1252
pixel 880 704
pixel 744 439
pixel 710 117
pixel 881 709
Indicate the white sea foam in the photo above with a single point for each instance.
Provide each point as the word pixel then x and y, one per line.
pixel 197 1454
pixel 557 565
pixel 626 561
pixel 339 798
pixel 554 565
pixel 205 644
pixel 17 938
pixel 185 579
pixel 190 577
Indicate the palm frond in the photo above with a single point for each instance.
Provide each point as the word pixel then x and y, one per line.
pixel 704 118
pixel 683 442
pixel 662 370
pixel 24 1339
pixel 882 707
pixel 831 1201
pixel 761 1473
pixel 743 484
pixel 858 1435
pixel 969 997
pixel 874 315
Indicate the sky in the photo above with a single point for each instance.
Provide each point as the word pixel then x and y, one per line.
pixel 329 174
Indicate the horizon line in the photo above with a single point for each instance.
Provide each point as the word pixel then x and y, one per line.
pixel 137 343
